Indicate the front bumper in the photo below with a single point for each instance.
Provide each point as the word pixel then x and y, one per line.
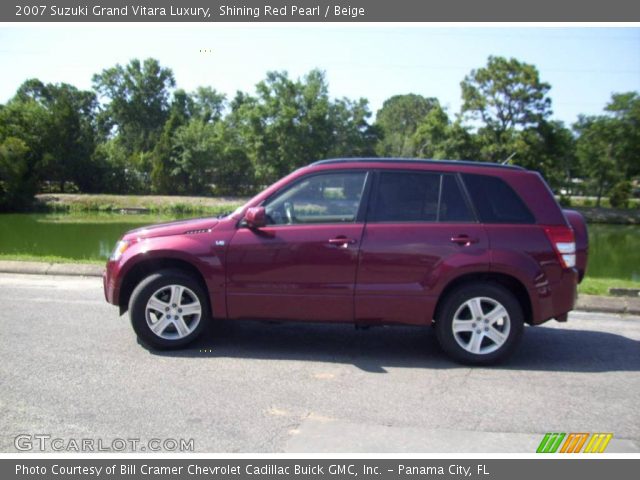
pixel 109 284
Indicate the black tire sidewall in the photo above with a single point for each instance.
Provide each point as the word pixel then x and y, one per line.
pixel 138 304
pixel 460 295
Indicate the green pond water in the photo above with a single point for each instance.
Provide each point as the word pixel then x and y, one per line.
pixel 613 251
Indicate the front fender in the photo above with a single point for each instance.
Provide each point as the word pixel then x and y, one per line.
pixel 198 252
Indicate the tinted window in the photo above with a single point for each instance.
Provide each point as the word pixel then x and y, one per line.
pixel 326 198
pixel 453 205
pixel 495 201
pixel 406 197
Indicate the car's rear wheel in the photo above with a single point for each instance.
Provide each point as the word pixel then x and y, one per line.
pixel 168 309
pixel 480 323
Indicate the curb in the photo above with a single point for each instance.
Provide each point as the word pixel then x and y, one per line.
pixel 619 305
pixel 588 303
pixel 43 268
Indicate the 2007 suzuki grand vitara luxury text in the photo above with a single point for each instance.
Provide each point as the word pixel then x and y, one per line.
pixel 478 250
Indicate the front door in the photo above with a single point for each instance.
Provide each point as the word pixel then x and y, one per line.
pixel 302 265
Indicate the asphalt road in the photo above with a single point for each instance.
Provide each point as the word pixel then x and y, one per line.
pixel 72 369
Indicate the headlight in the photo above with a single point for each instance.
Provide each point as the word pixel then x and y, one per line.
pixel 121 246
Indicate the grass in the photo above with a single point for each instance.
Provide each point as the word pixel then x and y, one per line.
pixel 590 202
pixel 105 218
pixel 601 286
pixel 26 257
pixel 157 204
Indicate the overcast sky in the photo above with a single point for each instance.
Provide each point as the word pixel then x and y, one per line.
pixel 583 65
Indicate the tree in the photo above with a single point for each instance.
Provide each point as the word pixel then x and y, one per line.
pixel 595 151
pixel 352 134
pixel 439 138
pixel 16 186
pixel 137 104
pixel 398 120
pixel 505 95
pixel 67 133
pixel 431 134
pixel 208 104
pixel 286 125
pixel 557 159
pixel 608 145
pixel 53 124
pixel 161 159
pixel 624 109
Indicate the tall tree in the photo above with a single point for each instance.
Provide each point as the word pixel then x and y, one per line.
pixel 55 123
pixel 503 99
pixel 137 102
pixel 624 109
pixel 608 145
pixel 287 124
pixel 398 120
pixel 208 104
pixel 352 134
pixel 505 95
pixel 69 137
pixel 596 152
pixel 16 185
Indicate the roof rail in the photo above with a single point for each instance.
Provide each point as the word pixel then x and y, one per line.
pixel 416 160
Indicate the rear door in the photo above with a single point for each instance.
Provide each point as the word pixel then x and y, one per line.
pixel 302 265
pixel 420 230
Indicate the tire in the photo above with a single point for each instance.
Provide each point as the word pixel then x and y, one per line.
pixel 480 324
pixel 168 309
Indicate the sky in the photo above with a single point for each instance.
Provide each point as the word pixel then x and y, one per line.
pixel 584 65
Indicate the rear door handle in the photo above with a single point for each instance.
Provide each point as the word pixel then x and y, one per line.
pixel 342 241
pixel 464 240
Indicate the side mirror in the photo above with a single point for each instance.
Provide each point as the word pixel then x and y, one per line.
pixel 255 217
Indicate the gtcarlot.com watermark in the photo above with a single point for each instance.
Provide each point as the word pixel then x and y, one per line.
pixel 48 443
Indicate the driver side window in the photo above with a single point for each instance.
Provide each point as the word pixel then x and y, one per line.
pixel 325 198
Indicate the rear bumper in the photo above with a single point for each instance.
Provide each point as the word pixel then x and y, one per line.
pixel 556 300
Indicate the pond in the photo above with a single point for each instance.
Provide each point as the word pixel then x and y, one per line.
pixel 76 236
pixel 613 252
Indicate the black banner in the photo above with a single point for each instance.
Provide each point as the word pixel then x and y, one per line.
pixel 309 469
pixel 319 11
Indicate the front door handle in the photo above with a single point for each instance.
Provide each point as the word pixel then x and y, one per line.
pixel 342 241
pixel 464 240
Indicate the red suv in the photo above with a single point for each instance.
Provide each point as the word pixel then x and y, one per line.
pixel 475 249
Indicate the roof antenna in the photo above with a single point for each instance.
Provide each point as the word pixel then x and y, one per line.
pixel 508 159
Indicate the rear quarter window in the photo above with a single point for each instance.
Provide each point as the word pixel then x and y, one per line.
pixel 495 201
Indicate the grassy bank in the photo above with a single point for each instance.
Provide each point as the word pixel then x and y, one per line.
pixel 609 215
pixel 601 286
pixel 25 257
pixel 156 204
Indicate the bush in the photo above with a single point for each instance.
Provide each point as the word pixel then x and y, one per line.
pixel 620 195
pixel 565 201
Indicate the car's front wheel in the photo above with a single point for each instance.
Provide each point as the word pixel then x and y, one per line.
pixel 480 323
pixel 168 309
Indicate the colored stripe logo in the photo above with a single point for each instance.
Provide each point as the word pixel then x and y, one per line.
pixel 573 442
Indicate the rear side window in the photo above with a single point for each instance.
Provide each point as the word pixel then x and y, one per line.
pixel 496 201
pixel 419 197
pixel 453 205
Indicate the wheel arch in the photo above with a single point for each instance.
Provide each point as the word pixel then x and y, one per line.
pixel 144 268
pixel 515 286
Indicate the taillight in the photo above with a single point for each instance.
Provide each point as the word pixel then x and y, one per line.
pixel 564 243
